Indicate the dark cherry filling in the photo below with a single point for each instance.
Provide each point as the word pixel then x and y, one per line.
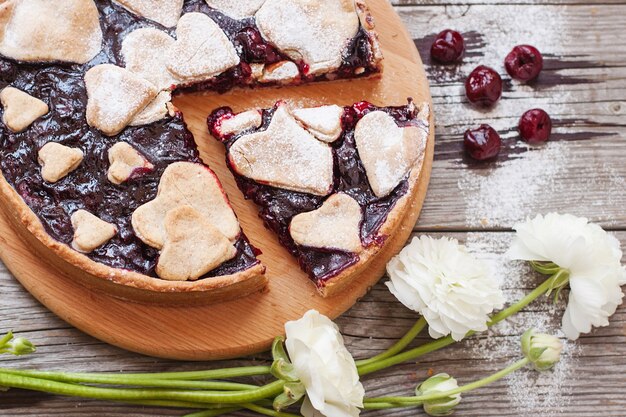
pixel 279 206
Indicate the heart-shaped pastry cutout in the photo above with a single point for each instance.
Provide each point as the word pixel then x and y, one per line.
pixel 44 30
pixel 335 225
pixel 185 184
pixel 202 49
pixel 165 12
pixel 284 155
pixel 157 109
pixel 20 109
pixel 388 152
pixel 145 51
pixel 237 123
pixel 323 122
pixel 238 9
pixel 58 160
pixel 90 232
pixel 126 162
pixel 316 32
pixel 114 96
pixel 192 246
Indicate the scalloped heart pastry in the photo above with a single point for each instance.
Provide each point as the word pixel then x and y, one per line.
pixel 192 246
pixel 185 184
pixel 316 32
pixel 90 232
pixel 201 51
pixel 44 30
pixel 20 109
pixel 145 52
pixel 126 162
pixel 335 225
pixel 285 155
pixel 165 12
pixel 114 96
pixel 388 152
pixel 58 160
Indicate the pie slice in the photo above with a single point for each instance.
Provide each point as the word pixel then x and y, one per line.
pixel 332 182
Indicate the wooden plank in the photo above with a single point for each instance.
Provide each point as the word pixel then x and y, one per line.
pixel 590 377
pixel 583 88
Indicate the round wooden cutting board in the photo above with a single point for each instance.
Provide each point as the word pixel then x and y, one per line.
pixel 247 325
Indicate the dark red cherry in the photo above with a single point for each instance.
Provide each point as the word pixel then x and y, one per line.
pixel 482 143
pixel 448 47
pixel 535 126
pixel 524 62
pixel 483 87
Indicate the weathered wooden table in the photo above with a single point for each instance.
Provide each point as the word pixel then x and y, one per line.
pixel 581 171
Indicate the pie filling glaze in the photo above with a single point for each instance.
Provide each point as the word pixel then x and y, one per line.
pixel 62 87
pixel 279 206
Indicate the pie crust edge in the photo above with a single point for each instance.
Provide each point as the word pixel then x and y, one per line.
pixel 124 284
pixel 396 216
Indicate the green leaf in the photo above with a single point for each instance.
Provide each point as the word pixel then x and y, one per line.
pixel 293 392
pixel 284 370
pixel 278 349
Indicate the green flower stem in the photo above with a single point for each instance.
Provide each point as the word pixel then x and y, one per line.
pixel 446 341
pixel 398 346
pixel 177 404
pixel 268 411
pixel 120 394
pixel 393 402
pixel 188 376
pixel 120 379
pixel 213 413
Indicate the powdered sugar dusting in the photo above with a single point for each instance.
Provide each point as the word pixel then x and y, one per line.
pixel 531 393
pixel 387 151
pixel 115 95
pixel 165 12
pixel 237 9
pixel 505 194
pixel 303 163
pixel 202 50
pixel 315 32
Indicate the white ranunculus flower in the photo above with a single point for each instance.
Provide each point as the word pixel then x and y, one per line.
pixel 590 255
pixel 450 288
pixel 324 366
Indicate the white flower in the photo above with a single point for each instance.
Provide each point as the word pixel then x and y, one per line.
pixel 590 255
pixel 324 366
pixel 451 289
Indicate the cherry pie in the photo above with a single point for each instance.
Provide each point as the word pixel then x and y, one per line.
pixel 99 166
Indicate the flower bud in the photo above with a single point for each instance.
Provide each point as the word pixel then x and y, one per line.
pixel 21 346
pixel 439 383
pixel 543 350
